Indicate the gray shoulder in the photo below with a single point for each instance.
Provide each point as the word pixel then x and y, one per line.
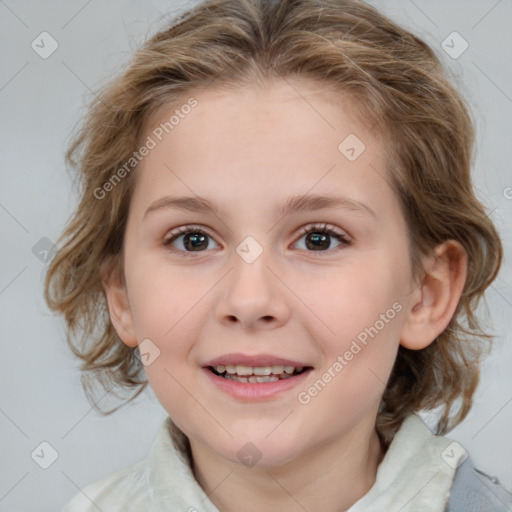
pixel 475 491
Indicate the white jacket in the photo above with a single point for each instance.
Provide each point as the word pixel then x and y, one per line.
pixel 416 475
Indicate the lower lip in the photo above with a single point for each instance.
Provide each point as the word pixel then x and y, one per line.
pixel 258 390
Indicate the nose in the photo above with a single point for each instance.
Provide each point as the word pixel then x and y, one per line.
pixel 253 296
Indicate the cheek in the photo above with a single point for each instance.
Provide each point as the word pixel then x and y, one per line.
pixel 162 297
pixel 169 384
pixel 348 299
pixel 362 316
pixel 354 377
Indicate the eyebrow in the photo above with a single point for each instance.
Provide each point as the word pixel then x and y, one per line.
pixel 294 204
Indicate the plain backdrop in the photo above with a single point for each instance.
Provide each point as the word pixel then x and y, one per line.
pixel 42 99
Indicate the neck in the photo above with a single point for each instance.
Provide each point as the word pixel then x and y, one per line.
pixel 331 477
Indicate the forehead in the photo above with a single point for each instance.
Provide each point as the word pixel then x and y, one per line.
pixel 284 138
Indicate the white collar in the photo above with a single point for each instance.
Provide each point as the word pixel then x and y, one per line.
pixel 415 474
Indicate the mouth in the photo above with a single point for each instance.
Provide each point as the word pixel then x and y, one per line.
pixel 257 374
pixel 256 377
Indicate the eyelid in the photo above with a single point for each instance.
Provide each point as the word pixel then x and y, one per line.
pixel 188 228
pixel 322 226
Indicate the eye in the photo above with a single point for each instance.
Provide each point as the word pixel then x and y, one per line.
pixel 318 238
pixel 194 240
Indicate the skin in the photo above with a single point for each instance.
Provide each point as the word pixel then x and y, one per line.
pixel 248 151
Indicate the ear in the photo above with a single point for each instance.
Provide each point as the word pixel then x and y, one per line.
pixel 116 293
pixel 435 300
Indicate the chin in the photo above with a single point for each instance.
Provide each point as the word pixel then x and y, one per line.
pixel 260 451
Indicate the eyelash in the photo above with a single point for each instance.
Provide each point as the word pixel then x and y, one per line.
pixel 315 228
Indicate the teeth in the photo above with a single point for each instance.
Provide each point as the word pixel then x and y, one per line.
pixel 269 378
pixel 243 370
pixel 257 374
pixel 253 379
pixel 262 371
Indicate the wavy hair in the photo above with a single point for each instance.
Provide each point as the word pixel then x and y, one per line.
pixel 397 87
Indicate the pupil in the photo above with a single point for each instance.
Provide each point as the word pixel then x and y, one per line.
pixel 317 240
pixel 196 240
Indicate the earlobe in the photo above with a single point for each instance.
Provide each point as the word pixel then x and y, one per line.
pixel 435 300
pixel 119 310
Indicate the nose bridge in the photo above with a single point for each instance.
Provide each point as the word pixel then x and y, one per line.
pixel 250 276
pixel 252 293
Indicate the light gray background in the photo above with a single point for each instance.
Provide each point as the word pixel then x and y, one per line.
pixel 40 102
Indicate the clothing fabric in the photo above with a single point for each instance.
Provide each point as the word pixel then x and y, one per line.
pixel 474 490
pixel 420 472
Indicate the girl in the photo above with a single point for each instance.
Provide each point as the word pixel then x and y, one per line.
pixel 278 229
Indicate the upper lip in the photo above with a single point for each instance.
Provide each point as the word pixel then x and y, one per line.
pixel 253 360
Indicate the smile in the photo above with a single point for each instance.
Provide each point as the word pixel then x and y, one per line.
pixel 256 374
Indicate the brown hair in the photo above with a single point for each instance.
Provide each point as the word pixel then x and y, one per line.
pixel 397 86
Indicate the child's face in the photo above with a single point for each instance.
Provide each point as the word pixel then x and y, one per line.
pixel 301 300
